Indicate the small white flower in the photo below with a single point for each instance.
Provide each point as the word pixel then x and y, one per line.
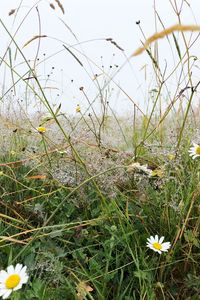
pixel 157 244
pixel 138 167
pixel 194 151
pixel 12 279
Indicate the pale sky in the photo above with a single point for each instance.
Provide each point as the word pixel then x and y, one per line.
pixel 90 20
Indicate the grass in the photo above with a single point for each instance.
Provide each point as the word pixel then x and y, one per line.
pixel 76 211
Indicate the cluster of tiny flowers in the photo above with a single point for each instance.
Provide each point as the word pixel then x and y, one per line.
pixel 12 279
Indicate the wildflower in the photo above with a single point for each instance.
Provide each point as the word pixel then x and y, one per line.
pixel 171 156
pixel 83 289
pixel 157 244
pixel 157 173
pixel 194 151
pixel 61 151
pixel 138 167
pixel 12 279
pixel 78 109
pixel 41 129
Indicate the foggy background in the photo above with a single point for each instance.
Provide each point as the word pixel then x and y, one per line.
pixel 84 28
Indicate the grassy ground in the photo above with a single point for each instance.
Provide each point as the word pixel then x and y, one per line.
pixel 81 227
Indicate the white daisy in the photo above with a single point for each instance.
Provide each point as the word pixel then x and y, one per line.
pixel 12 279
pixel 138 167
pixel 157 244
pixel 194 151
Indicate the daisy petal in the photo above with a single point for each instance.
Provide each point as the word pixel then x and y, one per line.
pixel 18 287
pixel 10 270
pixel 3 291
pixel 3 276
pixel 23 271
pixel 18 268
pixel 161 239
pixel 7 294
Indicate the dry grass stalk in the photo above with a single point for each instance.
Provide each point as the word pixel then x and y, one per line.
pixel 162 34
pixel 34 38
pixel 60 6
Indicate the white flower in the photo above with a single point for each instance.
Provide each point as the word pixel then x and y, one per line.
pixel 194 151
pixel 12 279
pixel 157 244
pixel 138 167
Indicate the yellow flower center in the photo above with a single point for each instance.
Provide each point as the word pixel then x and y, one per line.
pixel 12 281
pixel 198 150
pixel 157 246
pixel 78 109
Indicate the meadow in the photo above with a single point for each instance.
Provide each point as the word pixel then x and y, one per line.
pixel 99 206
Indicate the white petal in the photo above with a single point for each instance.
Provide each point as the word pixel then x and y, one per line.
pixel 23 271
pixel 3 291
pixel 151 239
pixel 156 238
pixel 161 239
pixel 10 270
pixel 3 276
pixel 19 286
pixel 24 279
pixel 7 294
pixel 18 268
pixel 152 248
pixel 166 245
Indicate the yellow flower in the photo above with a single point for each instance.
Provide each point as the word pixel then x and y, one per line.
pixel 157 172
pixel 171 156
pixel 41 129
pixel 78 109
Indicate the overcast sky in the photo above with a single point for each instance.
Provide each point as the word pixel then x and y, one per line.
pixel 91 21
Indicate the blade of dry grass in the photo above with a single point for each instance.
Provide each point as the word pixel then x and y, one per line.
pixel 163 33
pixel 33 39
